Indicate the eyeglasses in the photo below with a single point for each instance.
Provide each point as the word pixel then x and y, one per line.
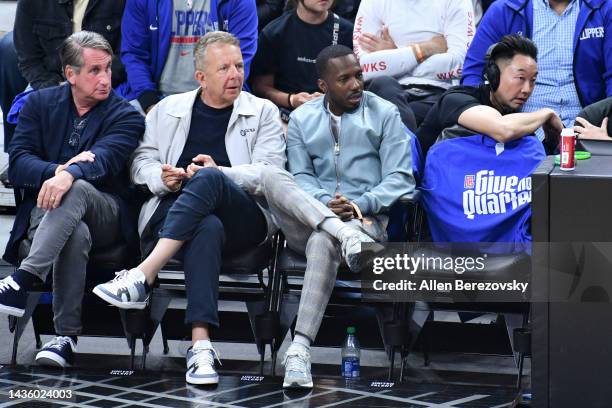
pixel 77 128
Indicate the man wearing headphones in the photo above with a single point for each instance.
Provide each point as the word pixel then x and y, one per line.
pixel 493 108
pixel 573 39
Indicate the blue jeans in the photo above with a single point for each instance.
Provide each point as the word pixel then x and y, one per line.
pixel 214 217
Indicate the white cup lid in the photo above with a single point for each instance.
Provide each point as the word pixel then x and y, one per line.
pixel 567 132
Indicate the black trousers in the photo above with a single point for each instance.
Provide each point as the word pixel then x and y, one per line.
pixel 413 102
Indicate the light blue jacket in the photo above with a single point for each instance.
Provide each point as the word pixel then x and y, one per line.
pixel 373 165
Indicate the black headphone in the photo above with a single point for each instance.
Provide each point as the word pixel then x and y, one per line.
pixel 491 72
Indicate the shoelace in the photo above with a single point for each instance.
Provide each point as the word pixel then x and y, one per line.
pixel 7 283
pixel 296 361
pixel 58 342
pixel 123 280
pixel 205 356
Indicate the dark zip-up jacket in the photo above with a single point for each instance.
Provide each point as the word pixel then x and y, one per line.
pixel 42 25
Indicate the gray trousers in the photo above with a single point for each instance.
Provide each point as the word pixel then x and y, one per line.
pixel 299 215
pixel 62 238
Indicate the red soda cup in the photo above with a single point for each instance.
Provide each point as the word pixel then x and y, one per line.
pixel 568 143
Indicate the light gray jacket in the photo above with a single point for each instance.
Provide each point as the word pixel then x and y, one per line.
pixel 254 138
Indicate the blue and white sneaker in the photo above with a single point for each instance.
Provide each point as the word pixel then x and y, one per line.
pixel 59 352
pixel 128 290
pixel 201 363
pixel 297 367
pixel 12 298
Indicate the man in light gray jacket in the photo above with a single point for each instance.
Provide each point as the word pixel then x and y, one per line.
pixel 350 151
pixel 213 159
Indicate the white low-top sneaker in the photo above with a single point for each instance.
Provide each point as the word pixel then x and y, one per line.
pixel 201 364
pixel 128 290
pixel 297 367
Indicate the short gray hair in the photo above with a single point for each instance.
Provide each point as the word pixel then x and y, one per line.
pixel 71 52
pixel 214 37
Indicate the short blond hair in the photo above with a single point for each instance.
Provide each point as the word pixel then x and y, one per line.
pixel 213 37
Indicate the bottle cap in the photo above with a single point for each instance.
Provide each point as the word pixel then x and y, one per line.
pixel 350 330
pixel 567 132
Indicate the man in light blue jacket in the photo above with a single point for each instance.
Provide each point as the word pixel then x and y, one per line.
pixel 350 151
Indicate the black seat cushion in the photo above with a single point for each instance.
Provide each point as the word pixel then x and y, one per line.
pixel 250 261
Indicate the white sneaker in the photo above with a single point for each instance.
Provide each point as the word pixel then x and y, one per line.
pixel 127 291
pixel 201 363
pixel 297 367
pixel 351 248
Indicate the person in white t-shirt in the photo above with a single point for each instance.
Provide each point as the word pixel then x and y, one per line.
pixel 412 51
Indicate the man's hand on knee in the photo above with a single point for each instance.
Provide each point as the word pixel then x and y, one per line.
pixel 53 190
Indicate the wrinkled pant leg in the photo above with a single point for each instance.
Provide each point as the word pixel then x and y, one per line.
pixel 207 192
pixel 323 256
pixel 69 277
pixel 83 202
pixel 202 264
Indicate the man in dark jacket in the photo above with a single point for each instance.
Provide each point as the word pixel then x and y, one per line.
pixel 68 155
pixel 40 27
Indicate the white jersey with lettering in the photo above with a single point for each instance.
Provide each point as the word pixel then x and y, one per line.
pixel 413 21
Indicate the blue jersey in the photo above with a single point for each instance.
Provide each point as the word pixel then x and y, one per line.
pixel 478 190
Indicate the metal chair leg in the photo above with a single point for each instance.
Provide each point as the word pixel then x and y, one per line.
pixel 132 351
pixel 15 344
pixel 520 371
pixel 18 324
pixel 402 364
pixel 262 355
pixel 164 340
pixel 274 355
pixel 145 351
pixel 37 338
pixel 391 363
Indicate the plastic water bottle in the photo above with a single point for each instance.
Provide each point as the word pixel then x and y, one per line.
pixel 350 354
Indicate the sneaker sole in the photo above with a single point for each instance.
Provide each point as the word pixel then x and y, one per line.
pixel 13 311
pixel 118 303
pixel 202 381
pixel 295 385
pixel 51 359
